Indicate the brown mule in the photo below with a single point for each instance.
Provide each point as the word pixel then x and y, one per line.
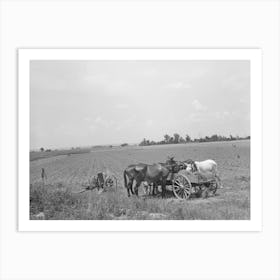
pixel 155 173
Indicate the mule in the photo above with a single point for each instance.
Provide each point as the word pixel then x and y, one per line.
pixel 152 187
pixel 132 172
pixel 155 174
pixel 206 166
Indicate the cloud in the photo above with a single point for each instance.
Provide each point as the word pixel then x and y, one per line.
pixel 235 82
pixel 124 124
pixel 98 119
pixel 87 119
pixel 244 100
pixel 179 85
pixel 99 122
pixel 198 106
pixel 204 116
pixel 109 85
pixel 150 73
pixel 122 105
pixel 149 123
pixel 92 128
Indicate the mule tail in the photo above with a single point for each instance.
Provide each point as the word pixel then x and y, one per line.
pixel 219 182
pixel 128 185
pixel 215 170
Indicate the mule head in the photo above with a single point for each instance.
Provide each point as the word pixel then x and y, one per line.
pixel 190 165
pixel 170 160
pixel 181 165
pixel 174 166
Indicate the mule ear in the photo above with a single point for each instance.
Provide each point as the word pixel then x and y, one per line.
pixel 194 166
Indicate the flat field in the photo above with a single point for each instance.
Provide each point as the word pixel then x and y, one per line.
pixel 66 173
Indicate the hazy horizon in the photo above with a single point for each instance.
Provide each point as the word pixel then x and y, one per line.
pixel 88 103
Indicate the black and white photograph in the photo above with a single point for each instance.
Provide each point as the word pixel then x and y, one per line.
pixel 140 139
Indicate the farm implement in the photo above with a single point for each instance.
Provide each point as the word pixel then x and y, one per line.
pixel 102 182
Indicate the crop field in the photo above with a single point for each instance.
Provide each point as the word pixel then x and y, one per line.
pixel 66 173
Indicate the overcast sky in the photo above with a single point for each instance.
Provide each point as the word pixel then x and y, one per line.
pixel 78 103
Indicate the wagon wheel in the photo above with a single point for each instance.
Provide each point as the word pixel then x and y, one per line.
pixel 182 187
pixel 111 182
pixel 213 186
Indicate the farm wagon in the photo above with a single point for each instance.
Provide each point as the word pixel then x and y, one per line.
pixel 185 184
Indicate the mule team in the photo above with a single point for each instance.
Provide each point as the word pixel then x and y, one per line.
pixel 156 174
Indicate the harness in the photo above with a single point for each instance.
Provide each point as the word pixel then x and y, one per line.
pixel 195 167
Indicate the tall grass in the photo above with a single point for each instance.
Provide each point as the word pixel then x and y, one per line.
pixel 57 202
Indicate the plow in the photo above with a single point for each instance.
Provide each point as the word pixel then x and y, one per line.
pixel 101 182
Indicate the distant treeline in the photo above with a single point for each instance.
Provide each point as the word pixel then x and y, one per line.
pixel 177 139
pixel 34 155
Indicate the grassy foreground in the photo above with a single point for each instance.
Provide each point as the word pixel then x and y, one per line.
pixel 57 202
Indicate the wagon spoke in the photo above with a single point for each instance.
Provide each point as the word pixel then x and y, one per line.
pixel 187 194
pixel 181 194
pixel 109 182
pixel 177 183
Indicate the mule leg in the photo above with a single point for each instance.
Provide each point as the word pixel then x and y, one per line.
pixel 146 188
pixel 220 182
pixel 155 189
pixel 163 188
pixel 137 187
pixel 129 187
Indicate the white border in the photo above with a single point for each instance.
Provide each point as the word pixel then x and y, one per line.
pixel 254 55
